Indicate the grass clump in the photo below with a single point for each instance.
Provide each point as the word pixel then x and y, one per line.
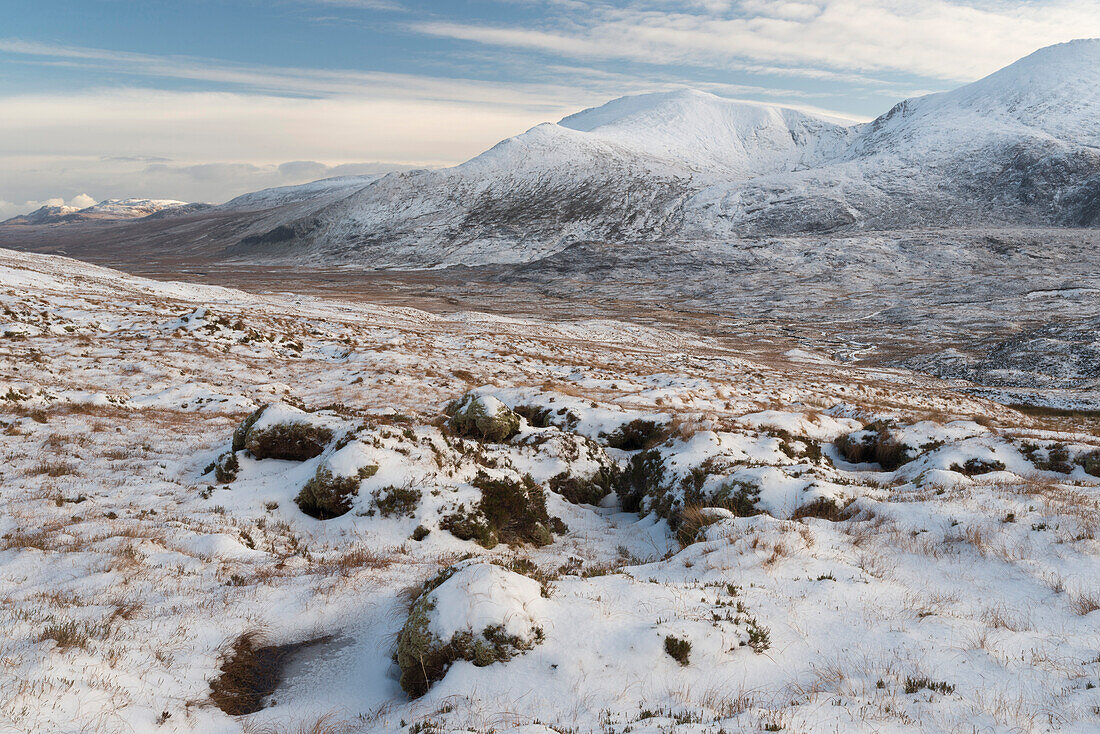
pixel 1053 458
pixel 822 508
pixel 913 685
pixel 692 521
pixel 67 634
pixel 760 637
pixel 326 495
pixel 225 468
pixel 510 511
pixel 288 441
pixel 638 435
pixel 678 649
pixel 251 671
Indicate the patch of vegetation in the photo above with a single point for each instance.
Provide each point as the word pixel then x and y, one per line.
pixel 691 521
pixel 974 467
pixel 823 508
pixel 876 445
pixel 678 649
pixel 251 671
pixel 512 512
pixel 643 476
pixel 738 497
pixel 225 468
pixel 1053 458
pixel 482 417
pixel 588 490
pixel 760 638
pixel 392 501
pixel 68 634
pixel 420 533
pixel 1090 462
pixel 913 685
pixel 536 415
pixel 241 434
pixel 638 435
pixel 326 495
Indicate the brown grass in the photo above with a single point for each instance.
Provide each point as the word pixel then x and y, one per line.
pixel 1085 602
pixel 251 671
pixel 54 468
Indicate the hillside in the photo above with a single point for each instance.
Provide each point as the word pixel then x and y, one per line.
pixel 231 513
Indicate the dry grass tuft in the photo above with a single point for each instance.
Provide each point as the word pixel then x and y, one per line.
pixel 1085 602
pixel 54 468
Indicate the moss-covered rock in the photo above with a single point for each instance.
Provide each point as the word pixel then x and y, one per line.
pixel 326 495
pixel 478 612
pixel 482 417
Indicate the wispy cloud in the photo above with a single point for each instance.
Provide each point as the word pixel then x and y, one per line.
pixel 957 41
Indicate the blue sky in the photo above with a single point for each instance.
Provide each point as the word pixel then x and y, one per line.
pixel 202 100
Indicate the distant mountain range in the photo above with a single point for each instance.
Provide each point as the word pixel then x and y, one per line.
pixel 1020 148
pixel 108 210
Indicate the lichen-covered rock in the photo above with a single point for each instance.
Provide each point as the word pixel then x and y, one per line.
pixel 478 612
pixel 483 417
pixel 279 431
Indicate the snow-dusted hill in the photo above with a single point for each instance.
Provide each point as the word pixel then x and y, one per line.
pixel 671 537
pixel 109 209
pixel 1021 147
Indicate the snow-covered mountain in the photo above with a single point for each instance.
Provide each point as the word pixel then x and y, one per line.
pixel 105 210
pixel 1020 148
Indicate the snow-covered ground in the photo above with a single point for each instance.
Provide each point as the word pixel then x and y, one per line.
pixel 811 547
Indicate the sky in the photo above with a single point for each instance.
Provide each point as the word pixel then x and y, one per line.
pixel 202 100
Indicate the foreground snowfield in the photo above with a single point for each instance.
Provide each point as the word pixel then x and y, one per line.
pixel 918 599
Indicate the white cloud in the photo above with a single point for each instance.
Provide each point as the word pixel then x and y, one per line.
pixel 9 209
pixel 210 146
pixel 958 41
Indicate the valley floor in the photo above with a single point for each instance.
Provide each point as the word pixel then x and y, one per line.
pixel 813 547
